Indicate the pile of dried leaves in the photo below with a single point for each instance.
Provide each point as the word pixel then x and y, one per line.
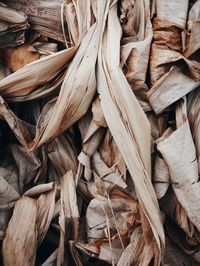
pixel 100 132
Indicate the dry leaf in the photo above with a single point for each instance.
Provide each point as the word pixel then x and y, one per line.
pixel 19 57
pixel 16 241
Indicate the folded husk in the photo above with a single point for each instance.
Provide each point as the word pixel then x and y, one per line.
pixel 178 151
pixel 103 95
pixel 132 141
pixel 13 25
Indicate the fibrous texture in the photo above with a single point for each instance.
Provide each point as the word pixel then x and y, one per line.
pixel 99 132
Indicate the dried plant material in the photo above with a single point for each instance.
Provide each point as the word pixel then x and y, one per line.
pixel 109 152
pixel 4 70
pixel 16 241
pixel 35 165
pixel 167 35
pixel 43 90
pixel 51 259
pixel 137 29
pixel 7 193
pixel 91 143
pixel 129 18
pixel 98 116
pixel 193 45
pixel 68 214
pixel 63 155
pixel 193 27
pixel 113 169
pixel 166 91
pixel 8 197
pixel 68 190
pixel 100 209
pixel 161 177
pixel 31 76
pixel 163 57
pixel 42 17
pixel 178 151
pixel 174 12
pixel 35 191
pixel 111 175
pixel 113 99
pixel 175 256
pixel 187 242
pixel 169 68
pixel 23 131
pixel 137 252
pixel 42 210
pixel 182 220
pixel 99 132
pixel 45 211
pixel 109 219
pixel 26 79
pixel 44 48
pixel 177 213
pixel 194 120
pixel 19 57
pixel 74 92
pixel 13 25
pixel 106 249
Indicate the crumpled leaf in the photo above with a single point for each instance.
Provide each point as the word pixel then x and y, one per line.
pixel 34 216
pixel 172 73
pixel 76 94
pixel 99 132
pixel 118 105
pixel 137 252
pixel 179 153
pixel 12 27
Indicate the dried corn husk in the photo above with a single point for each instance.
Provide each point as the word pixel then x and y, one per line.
pixel 45 19
pixel 194 120
pixel 182 164
pixel 129 139
pixel 34 216
pixel 99 132
pixel 13 25
pixel 16 241
pixel 75 94
pixel 68 214
pixel 166 54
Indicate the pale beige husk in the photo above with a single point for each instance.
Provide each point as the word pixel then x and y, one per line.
pixel 99 132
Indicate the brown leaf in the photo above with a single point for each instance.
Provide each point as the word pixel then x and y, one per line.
pixel 21 243
pixel 18 57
